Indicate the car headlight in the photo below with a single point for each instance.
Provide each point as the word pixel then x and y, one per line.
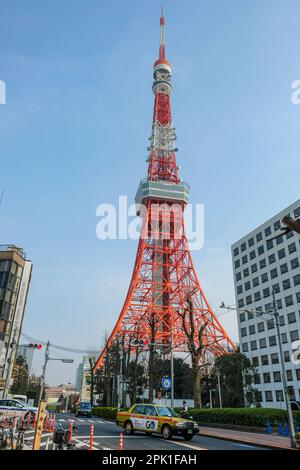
pixel 195 425
pixel 180 425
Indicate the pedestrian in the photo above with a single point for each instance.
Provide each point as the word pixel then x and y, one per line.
pixel 185 409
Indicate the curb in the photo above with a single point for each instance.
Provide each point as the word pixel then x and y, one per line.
pixel 267 446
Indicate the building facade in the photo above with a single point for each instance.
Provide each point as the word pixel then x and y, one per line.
pixel 27 354
pixel 15 275
pixel 261 265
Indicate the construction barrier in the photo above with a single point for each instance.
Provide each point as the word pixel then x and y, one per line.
pixel 91 437
pixel 121 441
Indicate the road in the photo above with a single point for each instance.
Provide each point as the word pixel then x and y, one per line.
pixel 107 436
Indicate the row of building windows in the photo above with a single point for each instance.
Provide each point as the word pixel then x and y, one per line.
pixel 269 377
pixel 268 325
pixel 270 341
pixel 286 284
pixel 284 268
pixel 259 236
pixel 266 360
pixel 289 301
pixel 260 250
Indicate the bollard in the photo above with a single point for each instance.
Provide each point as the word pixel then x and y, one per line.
pixel 280 430
pixel 53 423
pixel 28 421
pixel 5 421
pixel 34 421
pixel 91 437
pixel 121 441
pixel 269 428
pixel 71 430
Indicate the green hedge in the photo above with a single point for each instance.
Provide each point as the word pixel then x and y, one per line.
pixel 105 412
pixel 257 417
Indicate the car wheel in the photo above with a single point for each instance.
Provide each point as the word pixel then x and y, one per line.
pixel 128 427
pixel 188 437
pixel 166 432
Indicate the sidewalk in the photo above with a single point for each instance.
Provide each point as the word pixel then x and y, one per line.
pixel 262 440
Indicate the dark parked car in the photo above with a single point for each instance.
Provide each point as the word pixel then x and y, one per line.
pixel 84 409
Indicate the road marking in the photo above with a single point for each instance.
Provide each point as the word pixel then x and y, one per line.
pixel 185 444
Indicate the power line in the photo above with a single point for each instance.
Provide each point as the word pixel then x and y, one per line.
pixel 62 348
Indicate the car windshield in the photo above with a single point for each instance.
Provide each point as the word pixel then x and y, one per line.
pixel 165 411
pixel 85 406
pixel 21 402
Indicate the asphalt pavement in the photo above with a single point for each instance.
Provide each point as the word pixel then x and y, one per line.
pixel 107 437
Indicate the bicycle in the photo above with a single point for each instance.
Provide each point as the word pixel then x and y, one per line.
pixel 7 434
pixel 61 438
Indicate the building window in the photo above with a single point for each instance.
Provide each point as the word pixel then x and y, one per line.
pixel 276 288
pixel 241 303
pixel 264 360
pixel 289 300
pixel 243 246
pixel 269 244
pixel 262 263
pixel 284 338
pixel 255 362
pixel 279 240
pixel 273 273
pixel 267 377
pixel 294 335
pixel 257 296
pixel 261 327
pixel 245 347
pixel 281 320
pixel 286 284
pixel 272 341
pixel 298 297
pixel 258 236
pixel 254 268
pixel 249 299
pixel 237 264
pixel 298 374
pixel 277 376
pixel 257 378
pixel 289 235
pixel 238 276
pixel 291 317
pixel 286 356
pixel 269 396
pixel 268 307
pixel 270 324
pixel 255 282
pixel 274 358
pixel 295 263
pixel 266 292
pixel 244 259
pixel 268 231
pixel 253 345
pixel 242 317
pixel 243 332
pixel 292 248
pixel 277 225
pixel 297 212
pixel 252 329
pixel 252 254
pixel 281 253
pixel 250 315
pixel 251 242
pixel 262 343
pixel 246 272
pixel 239 289
pixel 247 285
pixel 260 250
pixel 272 259
pixel 284 268
pixel 289 375
pixel 279 395
pixel 296 280
pixel 235 252
pixel 264 277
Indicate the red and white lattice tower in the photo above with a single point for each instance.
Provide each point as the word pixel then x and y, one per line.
pixel 164 275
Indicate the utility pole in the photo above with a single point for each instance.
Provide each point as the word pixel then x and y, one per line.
pixel 42 381
pixel 283 373
pixel 172 368
pixel 10 363
pixel 219 388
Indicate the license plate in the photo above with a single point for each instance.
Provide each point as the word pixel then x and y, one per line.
pixel 190 431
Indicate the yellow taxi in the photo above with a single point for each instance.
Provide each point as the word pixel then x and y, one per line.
pixel 156 419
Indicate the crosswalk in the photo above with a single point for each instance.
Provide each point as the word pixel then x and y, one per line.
pixel 81 420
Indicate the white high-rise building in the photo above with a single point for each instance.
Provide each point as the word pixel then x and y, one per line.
pixel 260 266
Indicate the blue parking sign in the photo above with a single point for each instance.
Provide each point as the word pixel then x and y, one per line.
pixel 166 383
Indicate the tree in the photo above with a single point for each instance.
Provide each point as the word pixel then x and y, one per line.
pixel 20 376
pixel 236 380
pixel 197 352
pixel 135 380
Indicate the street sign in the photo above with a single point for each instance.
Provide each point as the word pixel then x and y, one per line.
pixel 166 383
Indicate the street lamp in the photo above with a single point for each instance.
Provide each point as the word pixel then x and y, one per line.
pixel 274 312
pixel 47 358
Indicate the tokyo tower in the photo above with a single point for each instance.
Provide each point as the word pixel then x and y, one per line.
pixel 165 301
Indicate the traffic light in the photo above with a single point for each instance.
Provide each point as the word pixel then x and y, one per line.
pixel 138 343
pixel 35 346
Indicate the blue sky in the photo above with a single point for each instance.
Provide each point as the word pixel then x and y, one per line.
pixel 74 131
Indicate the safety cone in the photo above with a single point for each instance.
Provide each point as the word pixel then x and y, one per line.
pixel 280 430
pixel 286 431
pixel 269 427
pixel 71 429
pixel 91 437
pixel 34 421
pixel 5 421
pixel 121 441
